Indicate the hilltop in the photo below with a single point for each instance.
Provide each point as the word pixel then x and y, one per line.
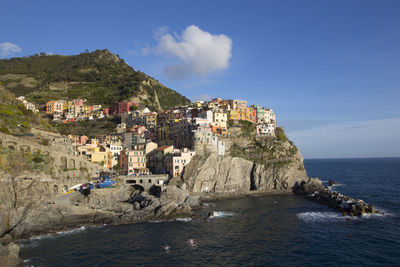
pixel 100 76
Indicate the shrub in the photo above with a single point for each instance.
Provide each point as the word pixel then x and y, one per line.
pixel 280 134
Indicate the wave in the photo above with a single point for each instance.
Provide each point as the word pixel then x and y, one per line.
pixel 221 214
pixel 209 204
pixel 330 187
pixel 315 216
pixel 33 241
pixel 73 231
pixel 183 219
pixel 377 215
pixel 156 221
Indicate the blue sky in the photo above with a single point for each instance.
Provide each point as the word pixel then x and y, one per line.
pixel 327 68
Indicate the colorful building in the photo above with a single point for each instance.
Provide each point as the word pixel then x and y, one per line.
pixel 133 161
pixel 176 162
pixel 235 104
pixel 50 107
pixel 266 129
pixel 151 119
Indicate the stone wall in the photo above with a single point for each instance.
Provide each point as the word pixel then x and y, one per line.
pixel 65 162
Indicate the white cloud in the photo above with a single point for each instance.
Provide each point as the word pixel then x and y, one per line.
pixel 7 49
pixel 374 138
pixel 198 52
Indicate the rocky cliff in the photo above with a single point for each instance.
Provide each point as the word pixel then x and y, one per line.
pixel 36 206
pixel 31 207
pixel 269 165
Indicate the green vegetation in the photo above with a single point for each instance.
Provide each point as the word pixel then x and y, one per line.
pixel 14 118
pixel 248 128
pixel 18 161
pixel 271 151
pixel 88 128
pixel 101 77
pixel 280 134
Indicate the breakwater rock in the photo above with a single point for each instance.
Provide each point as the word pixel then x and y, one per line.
pixel 316 191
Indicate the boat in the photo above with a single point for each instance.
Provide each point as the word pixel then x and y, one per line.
pixel 104 182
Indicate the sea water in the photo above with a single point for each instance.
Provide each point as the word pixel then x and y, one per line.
pixel 277 230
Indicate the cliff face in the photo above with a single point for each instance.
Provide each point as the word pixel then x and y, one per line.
pixel 268 165
pixel 34 206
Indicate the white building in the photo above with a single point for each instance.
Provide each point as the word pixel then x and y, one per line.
pixel 220 118
pixel 266 129
pixel 207 114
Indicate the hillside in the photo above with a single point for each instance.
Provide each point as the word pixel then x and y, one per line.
pixel 14 118
pixel 100 76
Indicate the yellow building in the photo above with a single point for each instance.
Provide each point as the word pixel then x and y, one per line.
pixel 151 118
pixel 99 157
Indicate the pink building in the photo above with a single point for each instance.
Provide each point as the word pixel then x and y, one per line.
pixel 79 102
pixel 83 139
pixel 133 161
pixel 176 162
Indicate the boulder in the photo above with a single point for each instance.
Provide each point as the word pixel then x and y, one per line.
pixel 179 196
pixel 172 211
pixel 308 187
pixel 331 182
pixel 9 256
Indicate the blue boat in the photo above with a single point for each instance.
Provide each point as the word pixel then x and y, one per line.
pixel 104 182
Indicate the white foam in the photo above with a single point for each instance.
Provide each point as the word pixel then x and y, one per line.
pixel 156 221
pixel 68 232
pixel 208 204
pixel 314 216
pixel 183 219
pixel 377 215
pixel 73 231
pixel 331 187
pixel 221 214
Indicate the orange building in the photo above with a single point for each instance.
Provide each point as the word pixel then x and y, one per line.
pixel 50 107
pixel 219 130
pixel 109 160
pixel 244 114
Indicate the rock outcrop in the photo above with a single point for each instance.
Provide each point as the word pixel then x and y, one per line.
pixel 218 174
pixel 315 191
pixel 9 256
pixel 214 174
pixel 32 207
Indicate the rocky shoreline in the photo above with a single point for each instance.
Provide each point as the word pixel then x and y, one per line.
pixel 28 209
pixel 315 191
pixel 28 215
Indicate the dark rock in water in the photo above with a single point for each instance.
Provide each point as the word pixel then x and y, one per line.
pixel 315 191
pixel 331 182
pixel 309 187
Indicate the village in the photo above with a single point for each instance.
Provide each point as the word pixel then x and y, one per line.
pixel 147 142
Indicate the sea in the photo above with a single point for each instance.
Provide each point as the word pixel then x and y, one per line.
pixel 274 230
